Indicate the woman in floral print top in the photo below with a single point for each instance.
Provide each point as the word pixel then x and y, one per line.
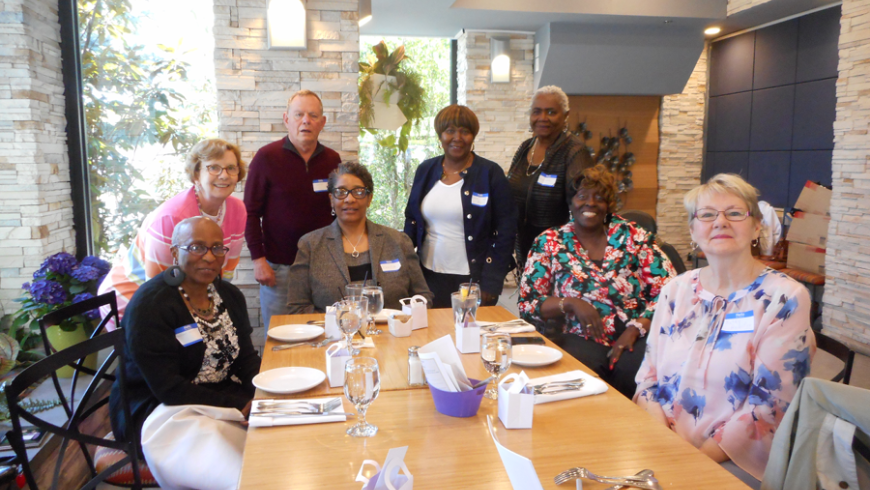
pixel 603 275
pixel 730 342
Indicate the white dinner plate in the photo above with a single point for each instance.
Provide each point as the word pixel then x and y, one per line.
pixel 384 315
pixel 534 355
pixel 295 333
pixel 289 379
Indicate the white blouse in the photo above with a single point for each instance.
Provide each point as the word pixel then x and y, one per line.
pixel 443 248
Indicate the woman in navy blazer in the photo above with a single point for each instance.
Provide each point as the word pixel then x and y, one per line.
pixel 482 224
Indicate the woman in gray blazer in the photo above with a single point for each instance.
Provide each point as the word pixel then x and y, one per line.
pixel 353 249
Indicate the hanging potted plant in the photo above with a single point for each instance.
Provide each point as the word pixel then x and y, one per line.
pixel 391 97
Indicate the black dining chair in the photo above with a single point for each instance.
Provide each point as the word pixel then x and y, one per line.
pixel 841 352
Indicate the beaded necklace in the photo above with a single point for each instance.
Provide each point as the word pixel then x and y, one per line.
pixel 209 311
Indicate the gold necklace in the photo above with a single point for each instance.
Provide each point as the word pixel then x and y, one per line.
pixel 531 169
pixel 445 173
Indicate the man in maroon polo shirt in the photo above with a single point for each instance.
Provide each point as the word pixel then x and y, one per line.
pixel 285 195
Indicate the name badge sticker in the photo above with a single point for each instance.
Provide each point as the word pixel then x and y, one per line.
pixel 547 180
pixel 479 199
pixel 320 185
pixel 188 335
pixel 742 321
pixel 391 265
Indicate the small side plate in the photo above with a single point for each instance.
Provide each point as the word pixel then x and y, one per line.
pixel 534 355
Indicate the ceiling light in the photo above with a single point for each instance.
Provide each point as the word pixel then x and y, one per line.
pixel 286 24
pixel 712 31
pixel 365 12
pixel 500 60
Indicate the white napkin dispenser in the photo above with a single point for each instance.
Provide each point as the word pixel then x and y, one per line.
pixel 416 307
pixel 388 477
pixel 397 327
pixel 468 338
pixel 516 402
pixel 330 324
pixel 336 358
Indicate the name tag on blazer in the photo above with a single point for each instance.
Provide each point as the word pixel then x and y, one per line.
pixel 391 265
pixel 547 180
pixel 320 185
pixel 479 199
pixel 188 335
pixel 743 321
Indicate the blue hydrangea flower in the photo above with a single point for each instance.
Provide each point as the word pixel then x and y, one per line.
pixel 60 263
pixel 26 286
pixel 48 292
pixel 85 273
pixel 98 263
pixel 92 314
pixel 40 273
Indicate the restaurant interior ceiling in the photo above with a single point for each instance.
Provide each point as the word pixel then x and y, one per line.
pixel 591 47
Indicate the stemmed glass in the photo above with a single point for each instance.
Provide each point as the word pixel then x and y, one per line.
pixel 495 351
pixel 361 386
pixel 350 313
pixel 469 288
pixel 375 296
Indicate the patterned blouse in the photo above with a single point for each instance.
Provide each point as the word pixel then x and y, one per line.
pixel 626 285
pixel 221 343
pixel 728 368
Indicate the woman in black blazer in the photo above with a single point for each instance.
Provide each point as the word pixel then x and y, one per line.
pixel 460 214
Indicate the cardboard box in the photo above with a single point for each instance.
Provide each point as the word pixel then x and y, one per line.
pixel 814 199
pixel 806 258
pixel 809 229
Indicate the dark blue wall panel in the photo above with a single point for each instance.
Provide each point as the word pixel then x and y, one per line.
pixel 775 55
pixel 766 172
pixel 815 108
pixel 729 122
pixel 808 165
pixel 729 162
pixel 772 118
pixel 731 65
pixel 818 39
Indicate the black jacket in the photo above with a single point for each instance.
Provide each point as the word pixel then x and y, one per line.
pixel 160 370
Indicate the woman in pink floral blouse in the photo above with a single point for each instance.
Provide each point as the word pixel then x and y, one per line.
pixel 602 275
pixel 730 342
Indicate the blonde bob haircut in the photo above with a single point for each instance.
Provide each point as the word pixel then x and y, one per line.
pixel 597 177
pixel 459 116
pixel 209 150
pixel 724 184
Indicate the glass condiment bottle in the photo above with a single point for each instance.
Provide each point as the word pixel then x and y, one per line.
pixel 415 368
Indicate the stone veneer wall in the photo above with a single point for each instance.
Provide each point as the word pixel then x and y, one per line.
pixel 502 108
pixel 847 296
pixel 254 84
pixel 35 203
pixel 735 6
pixel 681 154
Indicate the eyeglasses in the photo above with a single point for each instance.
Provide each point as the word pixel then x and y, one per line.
pixel 201 250
pixel 357 192
pixel 710 214
pixel 217 169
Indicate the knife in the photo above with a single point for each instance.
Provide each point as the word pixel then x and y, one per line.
pixel 300 414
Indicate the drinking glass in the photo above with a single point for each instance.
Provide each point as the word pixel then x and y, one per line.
pixel 361 386
pixel 495 351
pixel 350 313
pixel 375 296
pixel 471 288
pixel 464 307
pixel 354 289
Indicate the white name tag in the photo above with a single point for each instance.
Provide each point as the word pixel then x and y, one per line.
pixel 479 199
pixel 320 185
pixel 547 180
pixel 743 321
pixel 391 265
pixel 188 334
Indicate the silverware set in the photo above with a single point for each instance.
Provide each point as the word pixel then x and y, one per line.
pixel 496 326
pixel 644 479
pixel 558 386
pixel 291 408
pixel 319 343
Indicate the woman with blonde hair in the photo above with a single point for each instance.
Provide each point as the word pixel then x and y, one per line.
pixel 730 342
pixel 214 167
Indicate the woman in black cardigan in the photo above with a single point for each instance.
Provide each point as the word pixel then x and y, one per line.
pixel 188 343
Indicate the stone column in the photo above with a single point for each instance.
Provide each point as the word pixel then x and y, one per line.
pixel 36 216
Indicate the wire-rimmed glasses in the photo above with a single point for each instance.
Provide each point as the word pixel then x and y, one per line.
pixel 710 214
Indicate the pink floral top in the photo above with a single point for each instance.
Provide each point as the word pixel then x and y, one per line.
pixel 727 368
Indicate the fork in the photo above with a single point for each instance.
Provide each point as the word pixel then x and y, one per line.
pixel 643 473
pixel 318 344
pixel 644 482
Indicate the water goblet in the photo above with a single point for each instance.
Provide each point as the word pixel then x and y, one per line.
pixel 469 288
pixel 361 386
pixel 350 313
pixel 375 296
pixel 495 351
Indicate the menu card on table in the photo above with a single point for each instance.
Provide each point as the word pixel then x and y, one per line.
pixel 520 470
pixel 442 365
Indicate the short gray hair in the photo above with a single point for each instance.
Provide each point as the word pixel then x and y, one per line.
pixel 724 184
pixel 552 90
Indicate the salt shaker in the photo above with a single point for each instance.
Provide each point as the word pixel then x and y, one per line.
pixel 415 368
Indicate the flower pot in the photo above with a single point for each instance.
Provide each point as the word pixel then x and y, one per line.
pixel 61 339
pixel 386 115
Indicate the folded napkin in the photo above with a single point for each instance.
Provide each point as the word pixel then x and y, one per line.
pixel 591 386
pixel 508 329
pixel 368 343
pixel 266 421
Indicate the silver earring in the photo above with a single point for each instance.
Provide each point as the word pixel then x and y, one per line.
pixel 693 245
pixel 333 211
pixel 755 242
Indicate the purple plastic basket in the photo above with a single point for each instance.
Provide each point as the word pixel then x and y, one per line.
pixel 458 404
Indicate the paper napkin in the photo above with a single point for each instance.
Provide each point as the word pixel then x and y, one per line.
pixel 266 421
pixel 520 470
pixel 591 386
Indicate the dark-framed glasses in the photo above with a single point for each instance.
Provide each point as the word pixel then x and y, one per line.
pixel 710 214
pixel 217 169
pixel 200 250
pixel 357 192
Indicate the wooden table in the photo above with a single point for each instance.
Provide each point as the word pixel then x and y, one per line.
pixel 606 433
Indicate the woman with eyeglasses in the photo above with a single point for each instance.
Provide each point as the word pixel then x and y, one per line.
pixel 460 215
pixel 352 250
pixel 730 342
pixel 190 365
pixel 214 167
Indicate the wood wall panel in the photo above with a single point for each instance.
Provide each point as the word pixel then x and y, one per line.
pixel 604 115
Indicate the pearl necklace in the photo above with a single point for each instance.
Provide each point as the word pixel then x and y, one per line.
pixel 532 167
pixel 355 253
pixel 200 312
